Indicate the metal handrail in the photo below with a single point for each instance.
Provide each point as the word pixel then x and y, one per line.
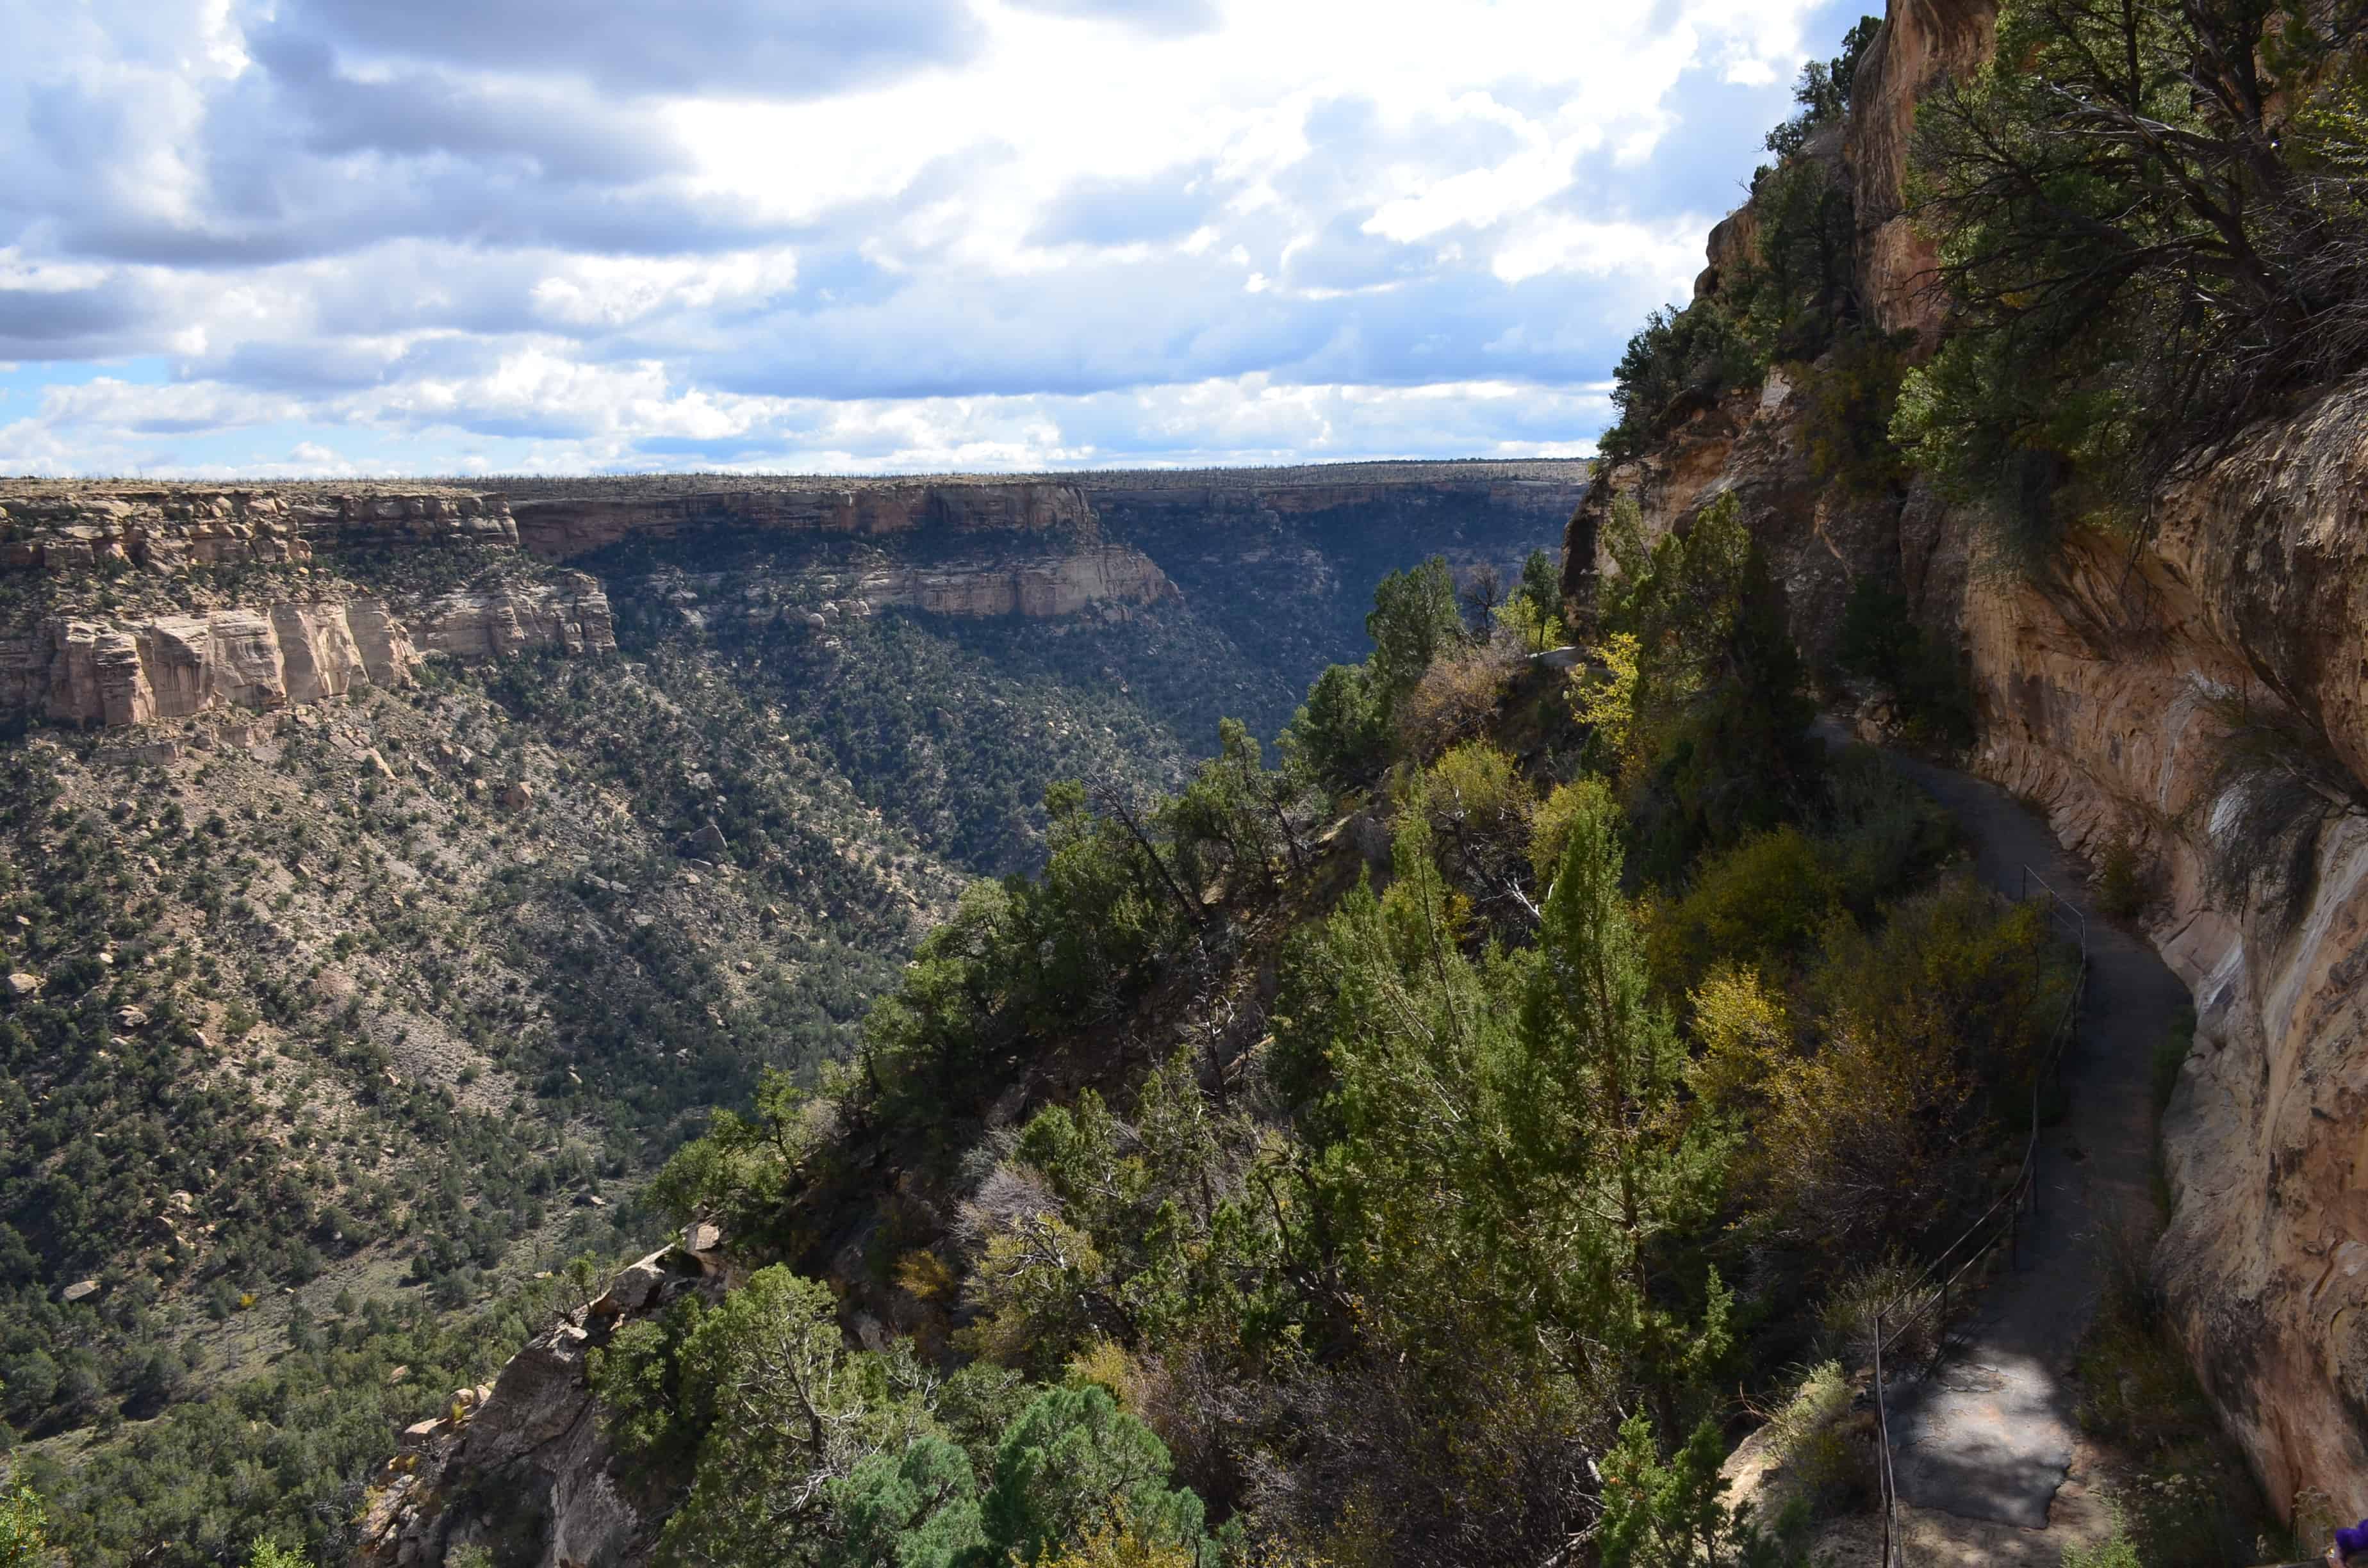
pixel 1987 1228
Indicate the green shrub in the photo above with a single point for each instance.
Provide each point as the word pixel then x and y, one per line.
pixel 1760 903
pixel 24 1526
pixel 1823 1459
pixel 1851 394
pixel 1848 1313
pixel 2141 247
pixel 1881 834
pixel 1681 356
pixel 2191 1501
pixel 1881 641
pixel 2117 1551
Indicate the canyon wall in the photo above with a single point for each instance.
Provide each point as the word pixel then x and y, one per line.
pixel 139 604
pixel 2112 695
pixel 589 515
pixel 66 527
pixel 2197 699
pixel 78 671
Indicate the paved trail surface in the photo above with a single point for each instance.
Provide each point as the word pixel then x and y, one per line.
pixel 1989 1436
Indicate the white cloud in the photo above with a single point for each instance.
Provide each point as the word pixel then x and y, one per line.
pixel 598 291
pixel 1263 227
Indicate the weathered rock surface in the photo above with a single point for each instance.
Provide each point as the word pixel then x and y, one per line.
pixel 1923 42
pixel 91 672
pixel 2111 698
pixel 1818 536
pixel 1094 576
pixel 526 1457
pixel 560 525
pixel 69 526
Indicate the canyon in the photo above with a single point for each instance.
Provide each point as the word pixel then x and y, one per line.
pixel 456 846
pixel 253 613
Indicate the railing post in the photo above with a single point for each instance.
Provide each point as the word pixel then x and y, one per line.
pixel 1883 1439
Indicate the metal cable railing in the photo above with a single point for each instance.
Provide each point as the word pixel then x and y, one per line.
pixel 1936 1280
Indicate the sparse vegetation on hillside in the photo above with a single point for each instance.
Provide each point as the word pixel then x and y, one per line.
pixel 427 982
pixel 1504 1173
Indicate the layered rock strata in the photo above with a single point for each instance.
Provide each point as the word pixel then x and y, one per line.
pixel 2113 697
pixel 559 527
pixel 1110 577
pixel 71 527
pixel 78 671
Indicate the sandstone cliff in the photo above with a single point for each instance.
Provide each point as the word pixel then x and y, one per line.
pixel 1110 577
pixel 1034 551
pixel 80 671
pixel 2111 696
pixel 2200 700
pixel 590 515
pixel 61 528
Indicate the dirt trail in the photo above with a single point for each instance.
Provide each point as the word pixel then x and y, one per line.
pixel 1991 1436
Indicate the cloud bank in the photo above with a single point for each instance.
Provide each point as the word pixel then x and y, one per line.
pixel 324 236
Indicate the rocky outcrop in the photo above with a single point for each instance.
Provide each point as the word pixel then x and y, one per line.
pixel 1923 42
pixel 1751 441
pixel 526 1457
pixel 68 527
pixel 591 515
pixel 570 614
pixel 1111 578
pixel 79 671
pixel 1819 537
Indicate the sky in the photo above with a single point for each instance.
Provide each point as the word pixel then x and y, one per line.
pixel 318 238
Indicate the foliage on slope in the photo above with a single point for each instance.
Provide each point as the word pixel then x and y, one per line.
pixel 1420 1206
pixel 409 1038
pixel 2153 222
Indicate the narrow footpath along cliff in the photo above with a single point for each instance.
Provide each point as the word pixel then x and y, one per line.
pixel 2191 706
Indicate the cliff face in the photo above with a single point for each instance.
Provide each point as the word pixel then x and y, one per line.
pixel 1923 41
pixel 1034 551
pixel 596 515
pixel 2108 694
pixel 2111 696
pixel 1282 557
pixel 78 671
pixel 1111 578
pixel 65 529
